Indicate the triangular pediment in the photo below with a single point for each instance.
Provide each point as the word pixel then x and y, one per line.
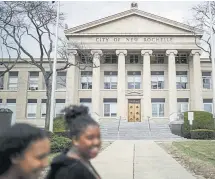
pixel 132 21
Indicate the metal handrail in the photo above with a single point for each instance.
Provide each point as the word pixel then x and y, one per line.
pixel 118 127
pixel 149 125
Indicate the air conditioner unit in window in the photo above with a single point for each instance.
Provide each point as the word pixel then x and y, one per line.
pixel 33 88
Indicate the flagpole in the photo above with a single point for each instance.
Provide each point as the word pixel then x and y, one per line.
pixel 52 110
pixel 212 57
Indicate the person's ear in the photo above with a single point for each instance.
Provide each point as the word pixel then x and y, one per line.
pixel 75 141
pixel 15 159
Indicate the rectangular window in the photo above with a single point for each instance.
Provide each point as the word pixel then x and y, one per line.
pixel 133 59
pixel 159 59
pixel 157 80
pixel 158 107
pixel 86 102
pixel 43 108
pixel 59 105
pixel 181 80
pixel 11 104
pixel 61 80
pixel 86 80
pixel 33 80
pixel 181 58
pixel 1 81
pixel 183 104
pixel 110 59
pixel 134 79
pixel 206 80
pixel 110 107
pixel 32 108
pixel 110 80
pixel 13 80
pixel 208 105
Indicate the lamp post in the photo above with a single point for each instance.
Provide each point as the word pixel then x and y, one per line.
pixel 52 111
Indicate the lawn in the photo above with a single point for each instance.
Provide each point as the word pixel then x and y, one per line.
pixel 196 156
pixel 202 150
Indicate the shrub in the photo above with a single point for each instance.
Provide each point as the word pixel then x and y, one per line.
pixel 202 134
pixel 62 134
pixel 59 143
pixel 202 120
pixel 59 124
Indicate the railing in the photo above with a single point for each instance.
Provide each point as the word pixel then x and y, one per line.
pixel 149 125
pixel 118 127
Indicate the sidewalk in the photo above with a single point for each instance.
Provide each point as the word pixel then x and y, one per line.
pixel 138 160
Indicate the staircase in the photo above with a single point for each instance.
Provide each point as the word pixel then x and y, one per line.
pixel 113 129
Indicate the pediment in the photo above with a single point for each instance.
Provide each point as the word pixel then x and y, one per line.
pixel 132 22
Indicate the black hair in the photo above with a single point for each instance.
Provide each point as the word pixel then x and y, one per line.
pixel 78 119
pixel 15 141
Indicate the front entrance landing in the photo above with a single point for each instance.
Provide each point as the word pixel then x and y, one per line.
pixel 138 160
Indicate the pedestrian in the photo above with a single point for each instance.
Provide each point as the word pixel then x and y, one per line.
pixel 24 152
pixel 75 163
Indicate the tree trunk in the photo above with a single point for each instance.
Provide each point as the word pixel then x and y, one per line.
pixel 48 101
pixel 48 107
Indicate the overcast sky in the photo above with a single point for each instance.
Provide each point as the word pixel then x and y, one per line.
pixel 80 12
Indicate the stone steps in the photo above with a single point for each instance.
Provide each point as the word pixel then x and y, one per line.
pixel 136 131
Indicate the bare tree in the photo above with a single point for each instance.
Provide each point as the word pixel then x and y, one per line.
pixel 201 22
pixel 34 20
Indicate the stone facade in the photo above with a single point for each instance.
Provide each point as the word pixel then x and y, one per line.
pixel 151 59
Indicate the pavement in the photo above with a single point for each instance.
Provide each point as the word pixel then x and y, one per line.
pixel 138 160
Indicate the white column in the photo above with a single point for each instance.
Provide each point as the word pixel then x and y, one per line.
pixel 147 107
pixel 96 84
pixel 121 86
pixel 72 80
pixel 197 100
pixel 172 81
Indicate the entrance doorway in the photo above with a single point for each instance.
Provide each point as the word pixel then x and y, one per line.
pixel 134 110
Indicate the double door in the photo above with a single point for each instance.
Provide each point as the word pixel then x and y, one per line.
pixel 134 110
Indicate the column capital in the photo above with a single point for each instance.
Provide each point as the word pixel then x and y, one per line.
pixel 124 52
pixel 72 52
pixel 195 52
pixel 169 52
pixel 144 52
pixel 97 52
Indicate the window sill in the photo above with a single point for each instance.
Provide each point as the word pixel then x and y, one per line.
pixel 108 89
pixel 183 89
pixel 207 90
pixel 159 89
pixel 84 89
pixel 5 90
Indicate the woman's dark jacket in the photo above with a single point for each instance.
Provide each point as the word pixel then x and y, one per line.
pixel 64 167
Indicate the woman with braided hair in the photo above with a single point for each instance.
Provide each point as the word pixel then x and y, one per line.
pixel 86 143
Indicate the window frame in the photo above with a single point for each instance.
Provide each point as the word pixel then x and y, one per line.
pixel 31 104
pixel 89 81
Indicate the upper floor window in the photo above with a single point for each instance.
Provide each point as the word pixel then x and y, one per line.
pixel 86 80
pixel 158 59
pixel 181 80
pixel 110 59
pixel 134 59
pixel 134 79
pixel 181 58
pixel 206 80
pixel 13 80
pixel 33 80
pixel 1 81
pixel 110 80
pixel 61 80
pixel 157 80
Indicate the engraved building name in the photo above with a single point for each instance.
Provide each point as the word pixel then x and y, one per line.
pixel 134 39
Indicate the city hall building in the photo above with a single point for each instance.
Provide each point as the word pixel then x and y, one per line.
pixel 147 66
